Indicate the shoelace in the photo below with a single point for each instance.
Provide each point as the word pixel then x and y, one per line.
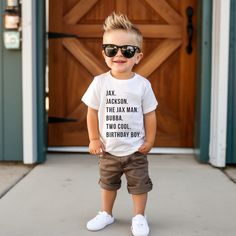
pixel 139 223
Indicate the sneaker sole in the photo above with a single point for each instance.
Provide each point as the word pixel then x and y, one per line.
pixel 138 234
pixel 101 228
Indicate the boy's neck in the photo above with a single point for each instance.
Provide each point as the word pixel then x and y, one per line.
pixel 123 76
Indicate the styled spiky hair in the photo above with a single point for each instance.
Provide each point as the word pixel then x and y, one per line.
pixel 121 22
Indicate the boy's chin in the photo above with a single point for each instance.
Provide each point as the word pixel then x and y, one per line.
pixel 121 71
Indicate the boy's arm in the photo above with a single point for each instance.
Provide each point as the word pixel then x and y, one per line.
pixel 150 132
pixel 95 146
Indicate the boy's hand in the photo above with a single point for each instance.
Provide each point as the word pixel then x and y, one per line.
pixel 96 147
pixel 145 148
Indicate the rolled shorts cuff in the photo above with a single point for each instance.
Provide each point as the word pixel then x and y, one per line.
pixel 109 187
pixel 138 190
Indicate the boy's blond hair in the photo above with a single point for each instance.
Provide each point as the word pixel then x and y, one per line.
pixel 121 22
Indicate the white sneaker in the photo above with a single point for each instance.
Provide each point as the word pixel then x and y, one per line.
pixel 100 221
pixel 139 226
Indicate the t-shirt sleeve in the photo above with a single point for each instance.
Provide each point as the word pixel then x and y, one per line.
pixel 149 100
pixel 91 97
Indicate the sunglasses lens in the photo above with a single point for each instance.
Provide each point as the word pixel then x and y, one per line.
pixel 128 51
pixel 110 50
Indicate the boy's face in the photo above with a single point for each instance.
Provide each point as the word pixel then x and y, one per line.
pixel 120 65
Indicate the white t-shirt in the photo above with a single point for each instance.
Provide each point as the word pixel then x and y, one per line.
pixel 121 105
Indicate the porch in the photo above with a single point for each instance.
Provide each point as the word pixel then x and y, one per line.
pixel 59 196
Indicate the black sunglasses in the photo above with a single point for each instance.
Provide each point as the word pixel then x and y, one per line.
pixel 127 51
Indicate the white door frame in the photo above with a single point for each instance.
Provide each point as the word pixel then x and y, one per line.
pixel 29 81
pixel 219 82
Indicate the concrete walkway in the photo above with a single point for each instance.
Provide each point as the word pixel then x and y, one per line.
pixel 58 197
pixel 10 174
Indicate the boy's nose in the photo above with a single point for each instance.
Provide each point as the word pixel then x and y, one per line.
pixel 119 52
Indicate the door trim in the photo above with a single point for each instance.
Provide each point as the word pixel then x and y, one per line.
pixel 41 51
pixel 219 82
pixel 231 129
pixel 29 82
pixel 202 115
pixel 33 81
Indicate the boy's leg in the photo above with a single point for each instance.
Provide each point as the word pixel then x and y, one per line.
pixel 139 201
pixel 138 181
pixel 108 199
pixel 139 184
pixel 104 217
pixel 139 223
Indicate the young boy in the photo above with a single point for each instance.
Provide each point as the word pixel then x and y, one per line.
pixel 121 123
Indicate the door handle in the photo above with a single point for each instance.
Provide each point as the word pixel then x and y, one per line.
pixel 189 13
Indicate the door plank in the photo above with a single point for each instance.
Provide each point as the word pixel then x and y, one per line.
pixel 85 57
pixel 79 112
pixel 157 57
pixel 161 31
pixel 85 30
pixel 165 11
pixel 148 31
pixel 121 6
pixel 78 11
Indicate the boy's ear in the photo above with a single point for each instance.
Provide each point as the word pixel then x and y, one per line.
pixel 139 57
pixel 103 53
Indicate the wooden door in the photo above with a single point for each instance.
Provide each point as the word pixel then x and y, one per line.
pixel 75 58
